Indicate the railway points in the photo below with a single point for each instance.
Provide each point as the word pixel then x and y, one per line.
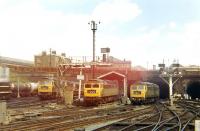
pixel 99 65
pixel 58 93
pixel 119 98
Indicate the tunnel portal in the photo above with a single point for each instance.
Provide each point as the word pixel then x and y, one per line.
pixel 193 89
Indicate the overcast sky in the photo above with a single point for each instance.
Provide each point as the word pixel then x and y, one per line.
pixel 143 31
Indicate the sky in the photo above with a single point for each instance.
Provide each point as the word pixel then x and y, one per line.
pixel 143 31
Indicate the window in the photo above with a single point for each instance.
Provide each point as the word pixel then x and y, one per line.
pixel 134 87
pixel 45 82
pixel 87 85
pixel 140 87
pixel 96 86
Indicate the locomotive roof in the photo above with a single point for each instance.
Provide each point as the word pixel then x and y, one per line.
pixel 99 81
pixel 146 83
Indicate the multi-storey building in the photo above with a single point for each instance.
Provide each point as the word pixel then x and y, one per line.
pixel 50 60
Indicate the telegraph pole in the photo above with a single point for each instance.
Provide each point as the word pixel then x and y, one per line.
pixel 93 28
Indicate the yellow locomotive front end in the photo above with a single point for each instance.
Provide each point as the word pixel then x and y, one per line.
pixel 144 92
pixel 92 91
pixel 98 91
pixel 45 89
pixel 137 93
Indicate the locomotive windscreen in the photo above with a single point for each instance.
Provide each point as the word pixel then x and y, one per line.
pixel 87 85
pixel 95 86
pixel 140 87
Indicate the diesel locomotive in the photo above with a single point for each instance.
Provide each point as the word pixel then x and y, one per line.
pixel 98 91
pixel 144 92
pixel 47 90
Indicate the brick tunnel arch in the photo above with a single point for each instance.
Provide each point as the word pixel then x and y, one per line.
pixel 189 86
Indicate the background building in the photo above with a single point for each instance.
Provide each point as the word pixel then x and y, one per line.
pixel 50 60
pixel 117 63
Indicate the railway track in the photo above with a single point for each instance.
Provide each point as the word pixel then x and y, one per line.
pixel 27 102
pixel 152 117
pixel 129 122
pixel 127 112
pixel 100 110
pixel 194 108
pixel 164 118
pixel 72 119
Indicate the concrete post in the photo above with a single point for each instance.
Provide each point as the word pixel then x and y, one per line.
pixel 18 95
pixel 79 89
pixel 3 112
pixel 125 87
pixel 125 99
pixel 171 90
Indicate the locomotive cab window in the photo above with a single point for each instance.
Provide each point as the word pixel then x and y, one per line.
pixel 87 85
pixel 134 88
pixel 95 86
pixel 141 87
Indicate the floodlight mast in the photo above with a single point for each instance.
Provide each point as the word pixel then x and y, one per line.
pixel 93 28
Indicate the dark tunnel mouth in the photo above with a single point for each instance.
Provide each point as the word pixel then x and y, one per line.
pixel 193 89
pixel 164 87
